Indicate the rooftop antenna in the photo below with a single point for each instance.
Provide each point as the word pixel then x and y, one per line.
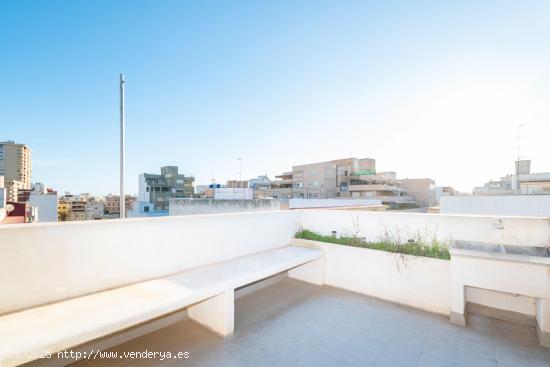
pixel 122 199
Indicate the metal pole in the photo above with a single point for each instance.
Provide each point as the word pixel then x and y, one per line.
pixel 122 198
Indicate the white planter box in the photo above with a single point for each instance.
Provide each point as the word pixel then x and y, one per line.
pixel 415 281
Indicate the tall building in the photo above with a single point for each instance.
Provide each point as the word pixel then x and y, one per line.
pixel 15 166
pixel 158 189
pixel 15 163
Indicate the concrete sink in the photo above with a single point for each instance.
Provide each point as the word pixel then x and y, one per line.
pixel 509 269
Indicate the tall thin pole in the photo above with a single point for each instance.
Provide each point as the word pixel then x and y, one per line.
pixel 240 169
pixel 122 198
pixel 518 182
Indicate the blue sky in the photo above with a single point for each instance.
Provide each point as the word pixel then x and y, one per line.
pixel 427 88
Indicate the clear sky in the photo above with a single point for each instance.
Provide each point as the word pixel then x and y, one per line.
pixel 427 88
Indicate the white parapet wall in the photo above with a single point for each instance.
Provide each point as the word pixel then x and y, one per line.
pixel 48 262
pixel 298 203
pixel 498 205
pixel 521 231
pixel 211 206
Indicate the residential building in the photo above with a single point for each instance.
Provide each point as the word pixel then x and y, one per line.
pixel 421 190
pixel 16 167
pixel 77 210
pixel 200 190
pixel 158 189
pixel 95 209
pixel 63 209
pixel 328 179
pixel 142 209
pixel 345 178
pixel 384 186
pixel 2 193
pixel 46 205
pixel 12 189
pixel 261 181
pixel 281 188
pixel 237 184
pixel 522 182
pixel 314 181
pixel 112 203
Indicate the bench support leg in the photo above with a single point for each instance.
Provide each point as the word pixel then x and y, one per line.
pixel 458 305
pixel 312 272
pixel 543 321
pixel 216 313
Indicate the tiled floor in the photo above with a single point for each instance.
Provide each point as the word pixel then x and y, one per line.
pixel 296 324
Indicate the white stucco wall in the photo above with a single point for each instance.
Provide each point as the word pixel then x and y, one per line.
pixel 47 206
pixel 298 203
pixel 502 301
pixel 419 282
pixel 524 231
pixel 209 206
pixel 504 205
pixel 52 261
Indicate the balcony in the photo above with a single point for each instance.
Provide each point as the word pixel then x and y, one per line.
pixel 368 308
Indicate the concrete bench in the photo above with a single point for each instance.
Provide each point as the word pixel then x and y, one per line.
pixel 206 292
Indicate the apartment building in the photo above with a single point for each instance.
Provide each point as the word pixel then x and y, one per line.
pixel 63 208
pixel 422 190
pixel 77 210
pixel 12 190
pixel 522 182
pixel 112 203
pixel 2 193
pixel 95 209
pixel 328 179
pixel 349 177
pixel 16 167
pixel 237 184
pixel 159 189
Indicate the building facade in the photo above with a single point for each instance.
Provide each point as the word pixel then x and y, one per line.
pixel 159 189
pixel 522 182
pixel 346 178
pixel 112 203
pixel 95 209
pixel 16 167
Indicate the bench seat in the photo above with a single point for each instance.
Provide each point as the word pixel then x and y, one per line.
pixel 72 322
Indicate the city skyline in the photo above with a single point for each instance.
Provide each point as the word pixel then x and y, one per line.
pixel 431 90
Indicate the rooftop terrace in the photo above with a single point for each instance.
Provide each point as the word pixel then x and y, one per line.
pixel 292 323
pixel 238 290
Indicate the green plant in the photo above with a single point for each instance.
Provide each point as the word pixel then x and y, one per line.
pixel 416 246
